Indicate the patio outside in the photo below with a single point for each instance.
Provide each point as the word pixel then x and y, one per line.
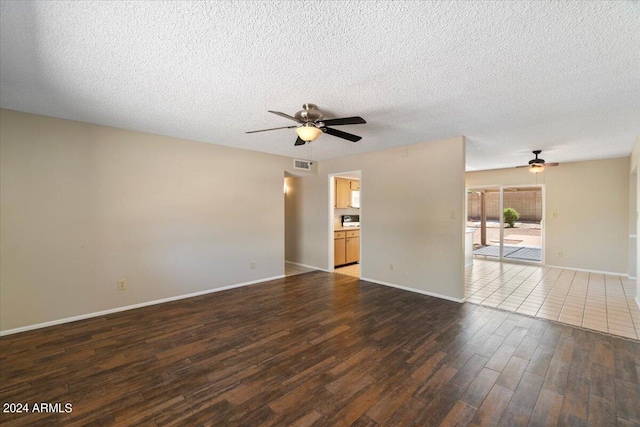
pixel 523 241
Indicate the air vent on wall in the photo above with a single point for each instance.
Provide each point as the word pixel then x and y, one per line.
pixel 302 164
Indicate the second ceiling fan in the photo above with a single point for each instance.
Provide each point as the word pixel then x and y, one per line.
pixel 311 124
pixel 537 165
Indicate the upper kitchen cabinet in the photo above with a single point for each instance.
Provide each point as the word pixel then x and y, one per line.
pixel 343 193
pixel 344 187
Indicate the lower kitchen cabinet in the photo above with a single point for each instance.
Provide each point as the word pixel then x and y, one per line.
pixel 339 248
pixel 346 247
pixel 353 249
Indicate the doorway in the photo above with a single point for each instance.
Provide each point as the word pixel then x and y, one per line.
pixel 507 222
pixel 345 210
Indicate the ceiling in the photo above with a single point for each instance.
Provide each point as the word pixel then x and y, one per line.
pixel 510 76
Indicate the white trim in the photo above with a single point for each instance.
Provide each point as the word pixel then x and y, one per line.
pixel 131 307
pixel 631 277
pixel 633 235
pixel 638 302
pixel 610 273
pixel 306 266
pixel 418 291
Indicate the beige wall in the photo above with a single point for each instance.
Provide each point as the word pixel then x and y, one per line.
pixel 408 198
pixel 591 201
pixel 84 206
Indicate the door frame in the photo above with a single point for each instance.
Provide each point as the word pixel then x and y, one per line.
pixel 542 221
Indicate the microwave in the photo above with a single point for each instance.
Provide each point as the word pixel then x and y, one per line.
pixel 355 199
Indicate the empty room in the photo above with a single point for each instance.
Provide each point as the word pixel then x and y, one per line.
pixel 319 213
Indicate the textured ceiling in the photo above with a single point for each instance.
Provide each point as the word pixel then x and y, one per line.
pixel 510 76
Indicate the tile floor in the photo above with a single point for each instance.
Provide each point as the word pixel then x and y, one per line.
pixel 594 301
pixel 349 270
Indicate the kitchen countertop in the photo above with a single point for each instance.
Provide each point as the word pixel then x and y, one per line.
pixel 340 228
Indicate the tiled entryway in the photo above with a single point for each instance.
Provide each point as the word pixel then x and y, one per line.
pixel 590 300
pixel 349 270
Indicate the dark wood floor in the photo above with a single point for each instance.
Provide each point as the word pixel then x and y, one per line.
pixel 321 349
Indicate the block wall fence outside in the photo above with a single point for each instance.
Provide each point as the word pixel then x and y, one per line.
pixel 527 203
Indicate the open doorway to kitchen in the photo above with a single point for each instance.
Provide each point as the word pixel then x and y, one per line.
pixel 344 223
pixel 507 222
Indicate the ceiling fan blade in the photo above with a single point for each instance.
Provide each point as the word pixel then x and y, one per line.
pixel 343 135
pixel 551 164
pixel 524 166
pixel 264 130
pixel 344 121
pixel 286 116
pixel 299 141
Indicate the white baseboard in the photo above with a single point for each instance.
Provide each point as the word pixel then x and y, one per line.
pixel 132 307
pixel 307 266
pixel 608 273
pixel 631 277
pixel 418 291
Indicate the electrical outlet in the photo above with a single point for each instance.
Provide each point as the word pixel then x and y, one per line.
pixel 560 253
pixel 122 285
pixel 453 215
pixel 252 265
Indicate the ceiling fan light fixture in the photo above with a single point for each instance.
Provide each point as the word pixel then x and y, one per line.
pixel 308 132
pixel 536 168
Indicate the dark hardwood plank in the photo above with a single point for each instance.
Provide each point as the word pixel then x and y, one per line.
pixel 493 407
pixel 575 407
pixel 511 374
pixel 500 358
pixel 460 415
pixel 527 347
pixel 556 377
pixel 540 361
pixel 602 412
pixel 514 418
pixel 627 400
pixel 547 409
pixel 479 388
pixel 320 349
pixel 529 386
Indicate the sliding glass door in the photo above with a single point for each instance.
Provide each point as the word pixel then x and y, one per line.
pixel 507 222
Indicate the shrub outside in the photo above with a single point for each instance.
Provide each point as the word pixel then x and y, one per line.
pixel 510 216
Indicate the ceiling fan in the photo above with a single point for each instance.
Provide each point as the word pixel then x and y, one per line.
pixel 537 165
pixel 311 124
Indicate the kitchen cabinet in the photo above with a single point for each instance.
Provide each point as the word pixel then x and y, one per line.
pixel 343 190
pixel 339 248
pixel 353 246
pixel 346 247
pixel 343 193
